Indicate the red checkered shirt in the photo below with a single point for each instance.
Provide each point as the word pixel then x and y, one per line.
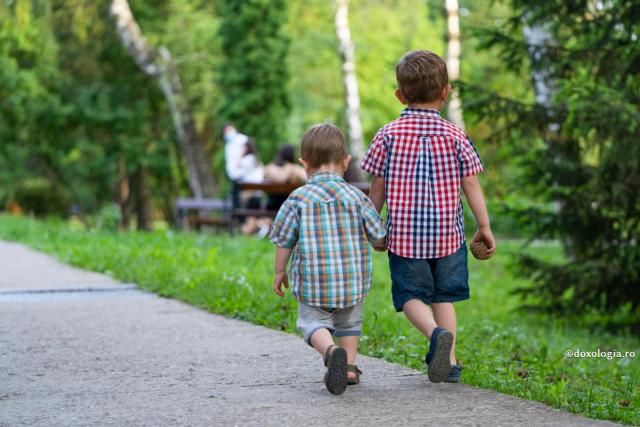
pixel 423 158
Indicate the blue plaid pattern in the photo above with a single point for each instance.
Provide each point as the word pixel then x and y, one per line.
pixel 328 223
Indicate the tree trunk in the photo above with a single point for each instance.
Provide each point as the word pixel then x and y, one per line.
pixel 537 37
pixel 452 58
pixel 158 64
pixel 124 195
pixel 352 96
pixel 545 88
pixel 140 181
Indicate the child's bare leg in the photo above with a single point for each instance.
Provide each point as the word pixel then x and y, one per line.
pixel 445 315
pixel 350 344
pixel 321 340
pixel 420 315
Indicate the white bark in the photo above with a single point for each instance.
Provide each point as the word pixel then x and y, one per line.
pixel 545 88
pixel 452 58
pixel 352 96
pixel 536 37
pixel 158 64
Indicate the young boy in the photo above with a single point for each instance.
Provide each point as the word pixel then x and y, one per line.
pixel 418 163
pixel 326 225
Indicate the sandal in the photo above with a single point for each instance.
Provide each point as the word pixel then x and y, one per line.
pixel 354 369
pixel 335 359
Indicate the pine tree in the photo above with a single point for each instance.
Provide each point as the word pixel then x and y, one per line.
pixel 579 147
pixel 254 77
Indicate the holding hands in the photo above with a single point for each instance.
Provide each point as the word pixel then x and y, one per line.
pixel 380 245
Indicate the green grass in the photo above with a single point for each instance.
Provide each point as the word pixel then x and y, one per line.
pixel 505 349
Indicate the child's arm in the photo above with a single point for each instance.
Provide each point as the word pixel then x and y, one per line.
pixel 373 225
pixel 376 193
pixel 475 198
pixel 280 268
pixel 284 234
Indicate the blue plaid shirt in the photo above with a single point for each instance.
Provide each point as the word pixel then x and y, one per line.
pixel 328 223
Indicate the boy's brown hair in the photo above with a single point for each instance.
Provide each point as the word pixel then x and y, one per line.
pixel 323 144
pixel 421 76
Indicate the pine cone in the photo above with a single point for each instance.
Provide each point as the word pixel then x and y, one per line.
pixel 479 250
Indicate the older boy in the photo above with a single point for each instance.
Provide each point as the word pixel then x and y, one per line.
pixel 326 225
pixel 419 162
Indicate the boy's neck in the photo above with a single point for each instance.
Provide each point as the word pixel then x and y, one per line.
pixel 436 105
pixel 327 168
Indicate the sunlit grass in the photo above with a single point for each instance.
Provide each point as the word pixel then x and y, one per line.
pixel 503 348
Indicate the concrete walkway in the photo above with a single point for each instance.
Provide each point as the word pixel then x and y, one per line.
pixel 126 357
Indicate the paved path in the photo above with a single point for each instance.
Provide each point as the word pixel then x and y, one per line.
pixel 130 358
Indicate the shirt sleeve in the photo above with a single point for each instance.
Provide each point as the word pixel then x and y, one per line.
pixel 284 231
pixel 373 225
pixel 468 158
pixel 376 156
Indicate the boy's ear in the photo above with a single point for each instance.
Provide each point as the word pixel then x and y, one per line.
pixel 445 92
pixel 303 162
pixel 400 96
pixel 345 162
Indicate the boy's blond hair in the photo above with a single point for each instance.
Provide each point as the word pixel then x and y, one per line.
pixel 421 76
pixel 323 144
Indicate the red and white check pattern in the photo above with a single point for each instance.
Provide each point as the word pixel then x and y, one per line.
pixel 423 158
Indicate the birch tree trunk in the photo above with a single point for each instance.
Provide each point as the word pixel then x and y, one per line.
pixel 537 37
pixel 158 64
pixel 350 81
pixel 545 88
pixel 452 58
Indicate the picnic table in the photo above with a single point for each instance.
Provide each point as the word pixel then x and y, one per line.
pixel 222 213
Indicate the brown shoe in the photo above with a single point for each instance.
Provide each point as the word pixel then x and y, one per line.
pixel 335 359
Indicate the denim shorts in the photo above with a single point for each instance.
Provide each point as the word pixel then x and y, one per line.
pixel 433 280
pixel 341 322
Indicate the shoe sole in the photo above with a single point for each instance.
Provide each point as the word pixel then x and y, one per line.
pixel 440 365
pixel 336 377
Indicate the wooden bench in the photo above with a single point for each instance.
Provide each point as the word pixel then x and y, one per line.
pixel 286 189
pixel 279 190
pixel 226 215
pixel 203 209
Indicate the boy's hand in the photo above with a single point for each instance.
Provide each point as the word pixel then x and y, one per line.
pixel 485 235
pixel 380 245
pixel 280 279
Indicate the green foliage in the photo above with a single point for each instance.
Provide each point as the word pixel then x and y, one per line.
pixel 255 76
pixel 76 109
pixel 580 156
pixel 40 196
pixel 505 349
pixel 108 218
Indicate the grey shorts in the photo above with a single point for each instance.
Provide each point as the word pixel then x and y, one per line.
pixel 341 322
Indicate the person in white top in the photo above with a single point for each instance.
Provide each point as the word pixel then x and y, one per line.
pixel 250 169
pixel 234 147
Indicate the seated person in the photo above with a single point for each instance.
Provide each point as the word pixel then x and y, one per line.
pixel 283 169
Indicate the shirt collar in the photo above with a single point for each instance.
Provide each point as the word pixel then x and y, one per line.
pixel 412 111
pixel 324 177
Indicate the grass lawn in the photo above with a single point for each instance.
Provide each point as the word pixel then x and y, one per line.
pixel 503 348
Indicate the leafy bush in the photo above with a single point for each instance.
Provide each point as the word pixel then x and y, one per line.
pixel 42 197
pixel 108 218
